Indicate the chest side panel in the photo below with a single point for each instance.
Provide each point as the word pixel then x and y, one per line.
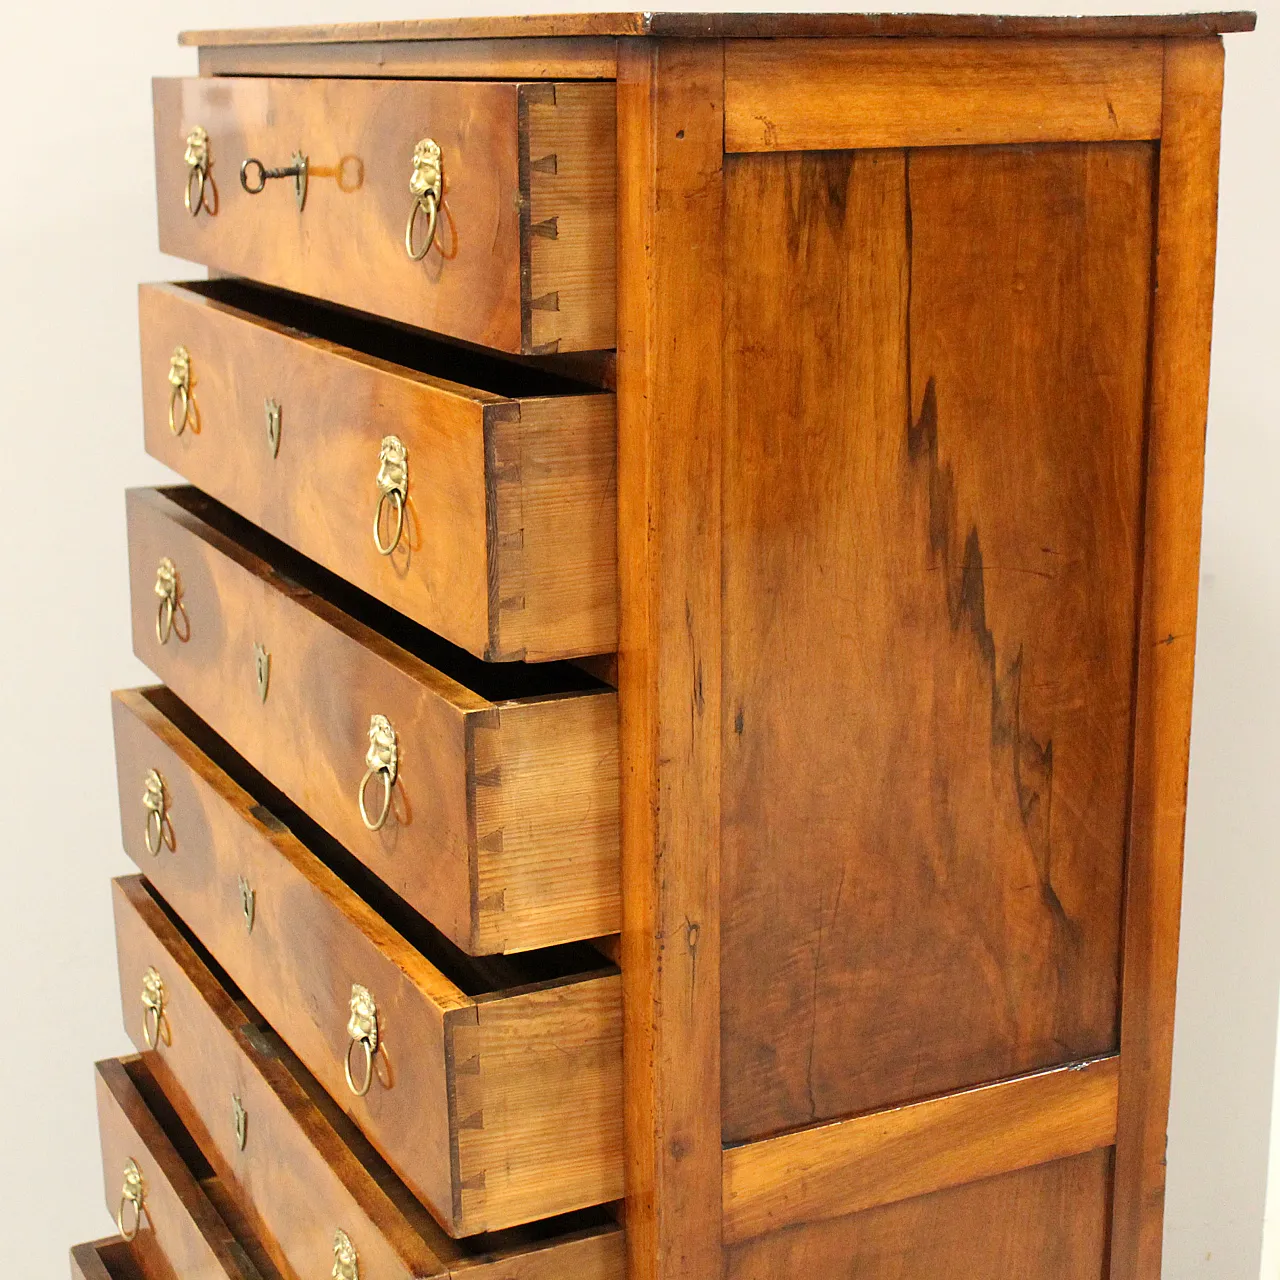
pixel 935 374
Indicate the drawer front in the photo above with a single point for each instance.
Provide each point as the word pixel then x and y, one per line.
pixel 159 1203
pixel 509 531
pixel 523 257
pixel 502 826
pixel 191 1043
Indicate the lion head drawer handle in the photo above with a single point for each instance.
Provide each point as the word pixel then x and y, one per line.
pixel 426 182
pixel 196 157
pixel 169 590
pixel 179 389
pixel 382 758
pixel 133 1196
pixel 393 487
pixel 295 169
pixel 155 800
pixel 362 1027
pixel 155 1023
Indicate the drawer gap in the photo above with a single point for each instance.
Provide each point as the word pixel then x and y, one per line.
pixel 475 976
pixel 509 377
pixel 497 682
pixel 167 1118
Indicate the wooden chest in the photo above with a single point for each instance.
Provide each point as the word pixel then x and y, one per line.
pixel 677 652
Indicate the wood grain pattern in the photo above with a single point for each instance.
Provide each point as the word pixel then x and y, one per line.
pixel 538 1100
pixel 727 25
pixel 359 136
pixel 181 1234
pixel 931 545
pixel 1046 1223
pixel 540 583
pixel 305 1167
pixel 518 792
pixel 517 1150
pixel 1183 319
pixel 811 1175
pixel 820 95
pixel 567 58
pixel 109 1259
pixel 553 536
pixel 527 876
pixel 568 206
pixel 670 132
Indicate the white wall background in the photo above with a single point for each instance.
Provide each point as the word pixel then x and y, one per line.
pixel 77 232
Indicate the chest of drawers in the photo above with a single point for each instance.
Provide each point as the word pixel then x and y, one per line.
pixel 677 649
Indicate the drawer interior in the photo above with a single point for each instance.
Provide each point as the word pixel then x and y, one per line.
pixel 475 976
pixel 510 1242
pixel 497 682
pixel 110 1259
pixel 133 1107
pixel 469 368
pixel 166 1116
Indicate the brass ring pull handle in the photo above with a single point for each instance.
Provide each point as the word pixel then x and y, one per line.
pixel 132 1195
pixel 196 157
pixel 168 589
pixel 179 389
pixel 382 757
pixel 426 182
pixel 156 802
pixel 393 486
pixel 296 169
pixel 362 1027
pixel 155 1026
pixel 345 1264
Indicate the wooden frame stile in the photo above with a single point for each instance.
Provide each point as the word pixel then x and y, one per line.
pixel 1182 318
pixel 670 152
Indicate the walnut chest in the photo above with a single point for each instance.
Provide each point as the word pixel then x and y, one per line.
pixel 677 649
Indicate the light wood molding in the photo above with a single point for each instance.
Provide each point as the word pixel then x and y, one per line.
pixel 537 59
pixel 1181 323
pixel 821 95
pixel 878 1159
pixel 670 151
pixel 716 26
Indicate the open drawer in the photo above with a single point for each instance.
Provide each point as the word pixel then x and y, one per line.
pixel 492 485
pixel 494 1091
pixel 167 1201
pixel 495 787
pixel 218 1047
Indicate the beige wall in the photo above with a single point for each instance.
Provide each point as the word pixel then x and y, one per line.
pixel 77 231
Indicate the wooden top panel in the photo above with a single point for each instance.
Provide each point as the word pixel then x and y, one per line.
pixel 733 26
